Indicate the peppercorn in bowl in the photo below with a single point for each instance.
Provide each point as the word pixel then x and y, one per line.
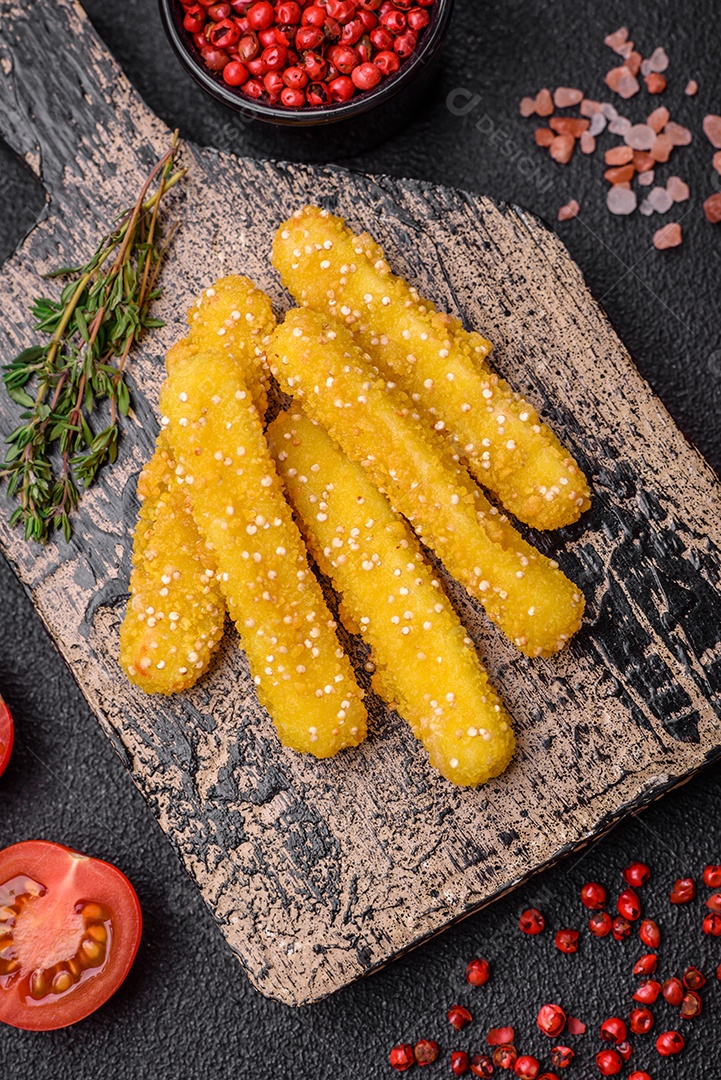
pixel 307 63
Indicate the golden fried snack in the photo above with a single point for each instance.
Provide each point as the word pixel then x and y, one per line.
pixel 425 664
pixel 300 671
pixel 176 612
pixel 440 365
pixel 523 592
pixel 175 617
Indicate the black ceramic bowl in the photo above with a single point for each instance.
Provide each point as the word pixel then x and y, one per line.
pixel 372 113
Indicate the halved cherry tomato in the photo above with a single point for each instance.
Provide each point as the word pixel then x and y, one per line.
pixel 7 736
pixel 69 930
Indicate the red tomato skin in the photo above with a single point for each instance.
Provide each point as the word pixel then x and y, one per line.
pixel 7 736
pixel 93 880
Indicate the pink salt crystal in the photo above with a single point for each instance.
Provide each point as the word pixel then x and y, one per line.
pixel 617 38
pixel 620 126
pixel 622 82
pixel 565 96
pixel 658 119
pixel 658 60
pixel 598 124
pixel 528 106
pixel 670 236
pixel 588 143
pixel 625 50
pixel 640 137
pixel 717 161
pixel 569 211
pixel 621 200
pixel 544 102
pixel 712 130
pixel 691 88
pixel 633 62
pixel 646 178
pixel 677 189
pixel 660 199
pixel 661 149
pixel 645 67
pixel 645 208
pixel 561 149
pixel 681 136
pixel 590 108
pixel 609 110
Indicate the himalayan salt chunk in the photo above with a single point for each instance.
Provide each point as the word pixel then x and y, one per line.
pixel 712 130
pixel 544 136
pixel 681 136
pixel 544 102
pixel 569 211
pixel 658 60
pixel 598 124
pixel 645 208
pixel 561 149
pixel 717 161
pixel 620 175
pixel 642 161
pixel 677 188
pixel 619 126
pixel 646 178
pixel 609 110
pixel 617 38
pixel 645 68
pixel 640 137
pixel 660 199
pixel 712 208
pixel 658 119
pixel 588 143
pixel 633 62
pixel 625 50
pixel 691 88
pixel 527 106
pixel 622 82
pixel 565 96
pixel 655 83
pixel 590 108
pixel 569 125
pixel 621 200
pixel 662 147
pixel 618 155
pixel 670 236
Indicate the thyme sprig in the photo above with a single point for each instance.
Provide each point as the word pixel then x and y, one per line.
pixel 73 388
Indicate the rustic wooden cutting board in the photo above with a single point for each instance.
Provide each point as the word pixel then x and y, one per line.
pixel 319 872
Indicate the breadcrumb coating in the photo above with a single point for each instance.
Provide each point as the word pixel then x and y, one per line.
pixel 437 363
pixel 522 591
pixel 426 666
pixel 301 673
pixel 176 612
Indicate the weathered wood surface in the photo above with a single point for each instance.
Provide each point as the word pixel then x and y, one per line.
pixel 319 872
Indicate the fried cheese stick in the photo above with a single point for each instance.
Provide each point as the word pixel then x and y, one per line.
pixel 523 592
pixel 301 673
pixel 440 365
pixel 176 612
pixel 426 666
pixel 174 620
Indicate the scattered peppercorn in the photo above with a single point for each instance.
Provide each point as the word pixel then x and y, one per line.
pixel 478 972
pixel 531 921
pixel 650 934
pixel 458 1017
pixel 551 1020
pixel 567 941
pixel 600 924
pixel 505 1057
pixel 426 1051
pixel 629 905
pixel 691 1006
pixel 481 1065
pixel 712 925
pixel 593 896
pixel 672 991
pixel 636 874
pixel 527 1067
pixel 641 1021
pixel 684 891
pixel 671 1042
pixel 613 1030
pixel 693 979
pixel 712 877
pixel 500 1036
pixel 714 903
pixel 609 1062
pixel 460 1062
pixel 648 992
pixel 625 1049
pixel 646 965
pixel 562 1056
pixel 621 928
pixel 402 1057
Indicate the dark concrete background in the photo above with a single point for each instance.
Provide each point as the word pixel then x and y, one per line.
pixel 187 1011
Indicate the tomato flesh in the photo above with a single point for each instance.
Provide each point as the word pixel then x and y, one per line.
pixel 70 927
pixel 7 735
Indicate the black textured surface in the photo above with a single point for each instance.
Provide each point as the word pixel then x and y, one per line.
pixel 187 1009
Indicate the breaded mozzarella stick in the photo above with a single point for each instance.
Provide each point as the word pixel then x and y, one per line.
pixel 523 592
pixel 302 675
pixel 425 664
pixel 436 362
